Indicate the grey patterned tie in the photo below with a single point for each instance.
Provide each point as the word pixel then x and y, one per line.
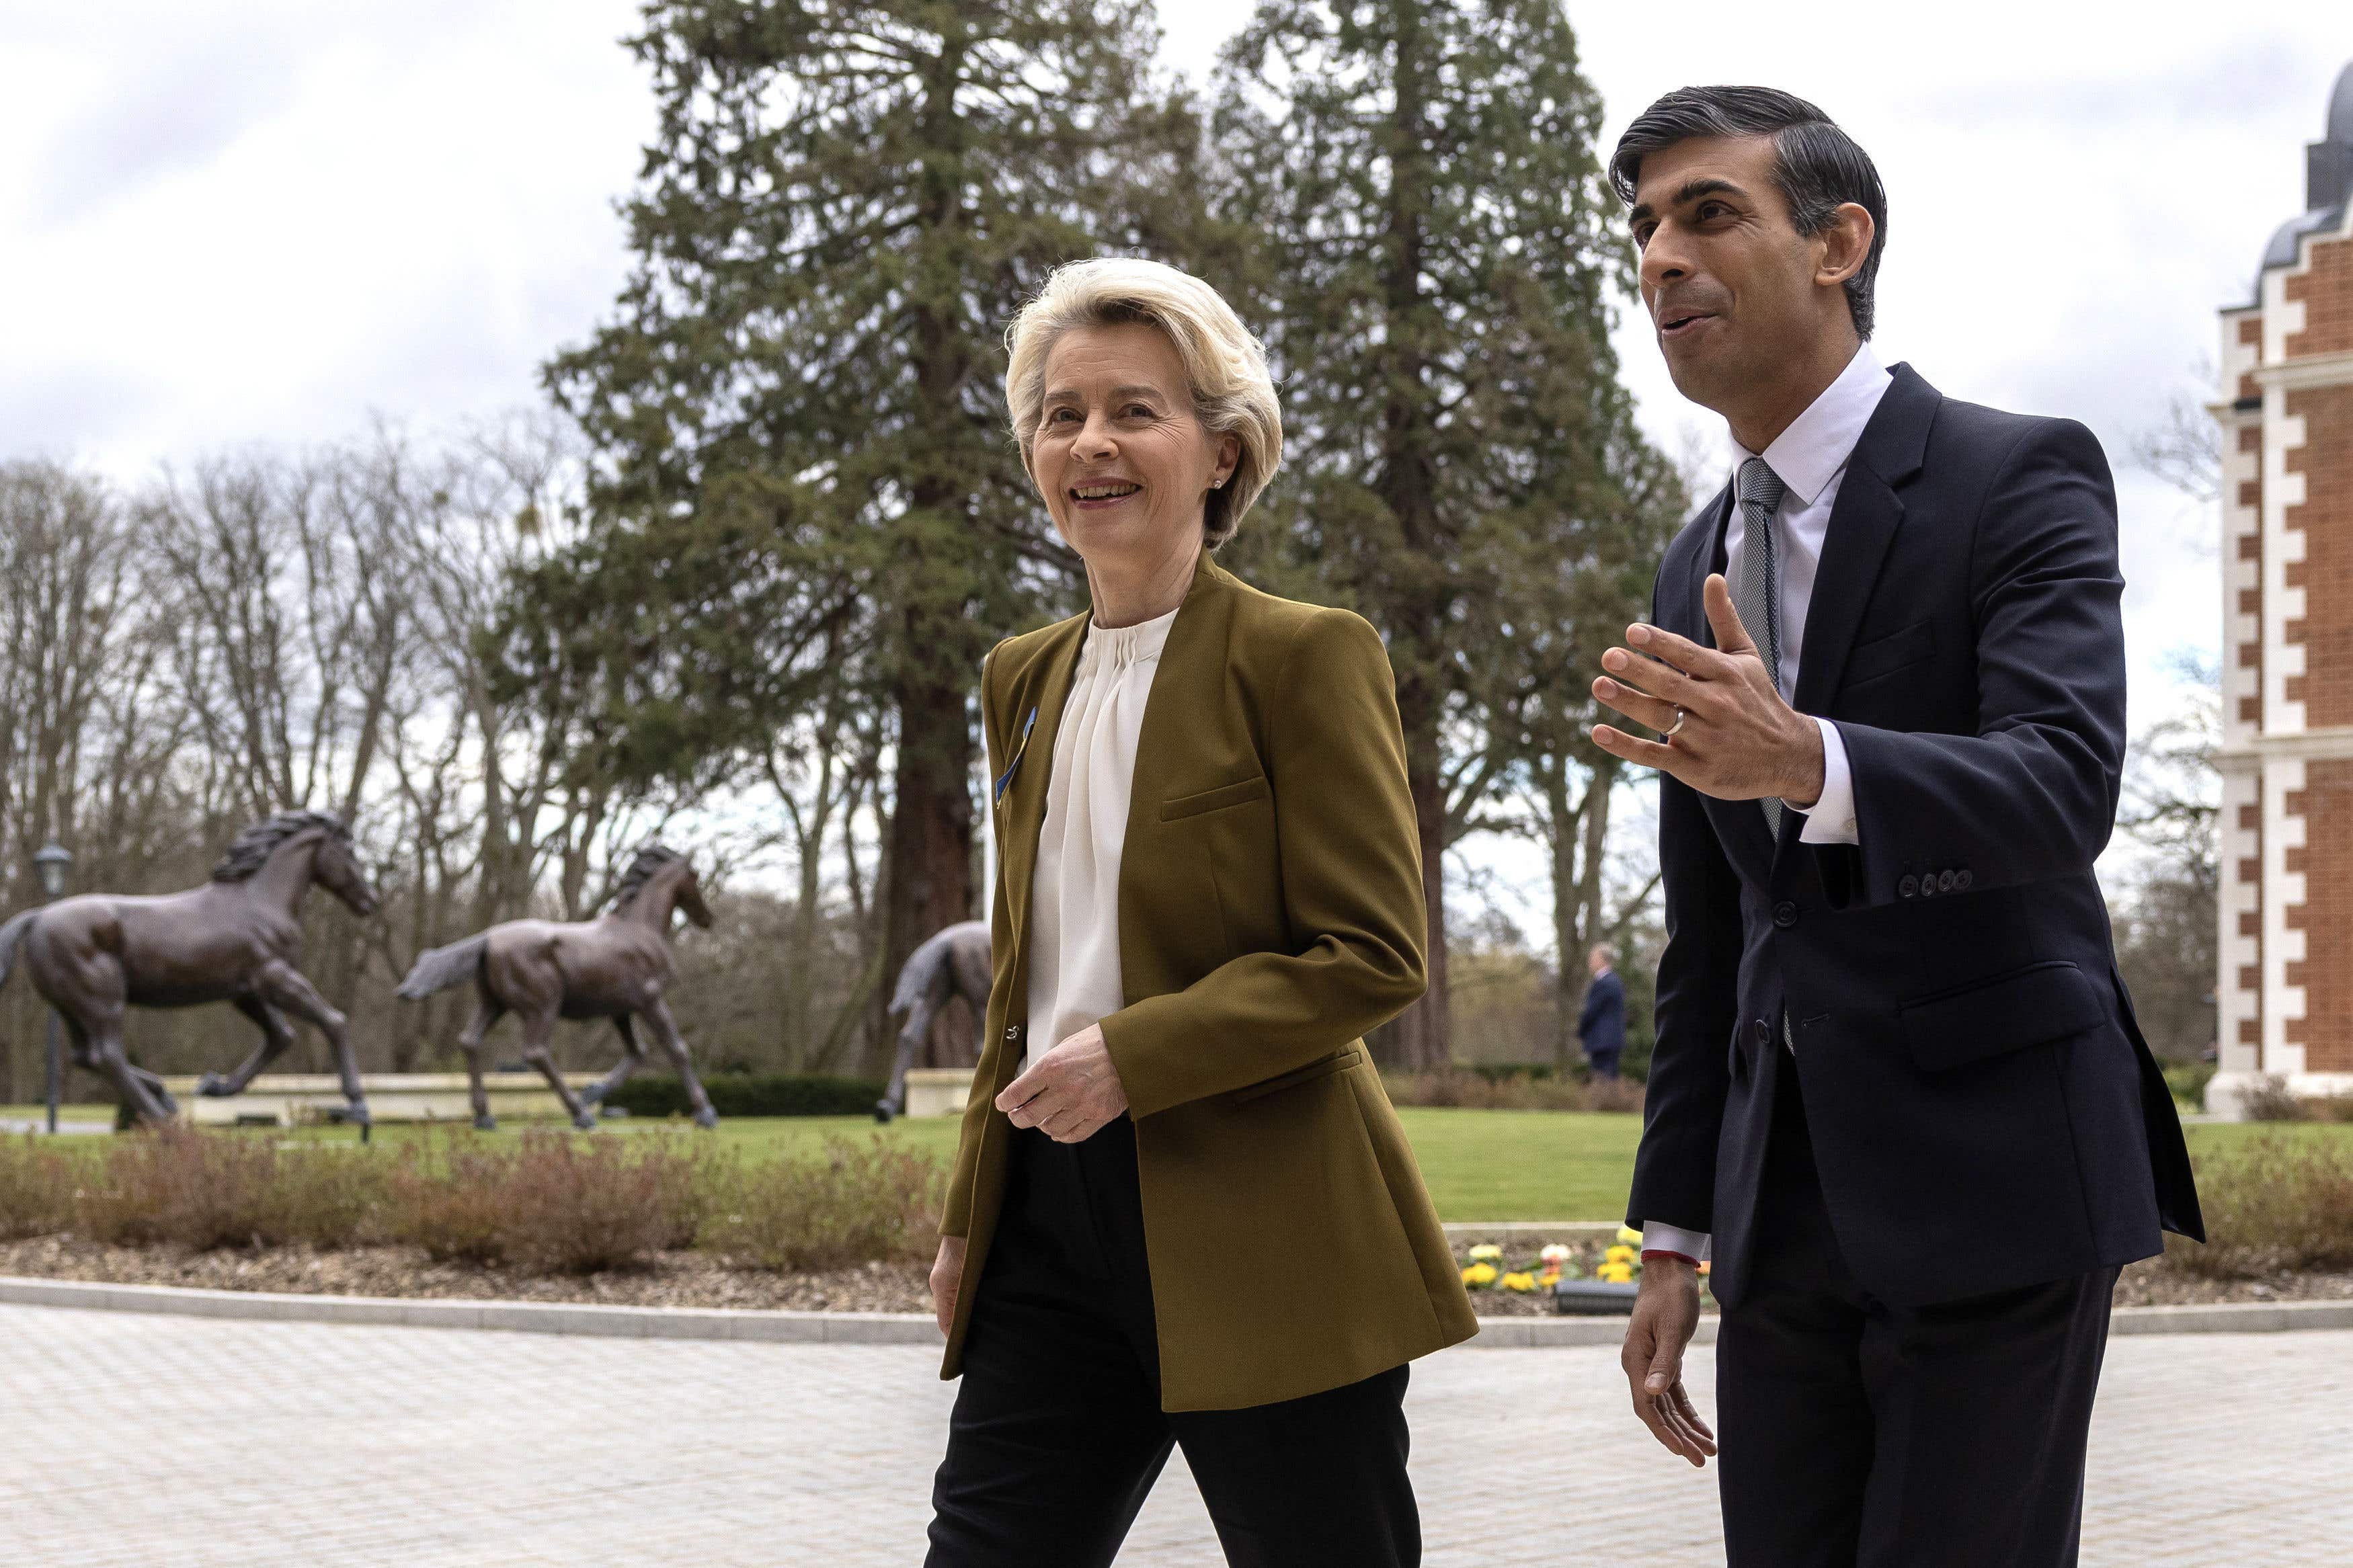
pixel 1755 593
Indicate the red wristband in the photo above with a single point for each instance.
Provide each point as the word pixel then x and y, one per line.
pixel 1651 1252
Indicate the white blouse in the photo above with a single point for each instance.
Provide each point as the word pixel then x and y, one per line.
pixel 1074 978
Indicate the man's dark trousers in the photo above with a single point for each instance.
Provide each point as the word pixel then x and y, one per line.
pixel 1604 1063
pixel 1856 1435
pixel 1058 1433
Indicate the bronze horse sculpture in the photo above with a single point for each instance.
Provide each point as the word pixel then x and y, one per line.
pixel 616 966
pixel 951 962
pixel 235 940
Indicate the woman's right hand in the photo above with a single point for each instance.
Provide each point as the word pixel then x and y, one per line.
pixel 947 1279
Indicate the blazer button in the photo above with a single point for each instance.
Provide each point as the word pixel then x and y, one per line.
pixel 1785 914
pixel 1907 886
pixel 1928 885
pixel 1947 880
pixel 1961 880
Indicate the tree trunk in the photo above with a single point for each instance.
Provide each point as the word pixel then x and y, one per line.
pixel 928 883
pixel 1418 1041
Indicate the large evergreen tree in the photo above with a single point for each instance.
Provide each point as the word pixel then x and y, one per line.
pixel 1443 256
pixel 807 478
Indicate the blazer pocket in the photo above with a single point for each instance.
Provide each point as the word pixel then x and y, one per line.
pixel 1218 799
pixel 1339 1061
pixel 2025 1007
pixel 1885 655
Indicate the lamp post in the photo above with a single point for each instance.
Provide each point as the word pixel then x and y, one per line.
pixel 51 860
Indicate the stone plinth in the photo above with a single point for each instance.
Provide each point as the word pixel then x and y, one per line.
pixel 938 1091
pixel 293 1100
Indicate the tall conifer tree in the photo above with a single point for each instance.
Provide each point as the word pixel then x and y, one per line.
pixel 799 401
pixel 1444 256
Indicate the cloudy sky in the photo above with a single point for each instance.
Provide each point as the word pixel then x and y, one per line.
pixel 238 220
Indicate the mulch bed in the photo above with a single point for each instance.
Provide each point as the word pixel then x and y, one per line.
pixel 675 1279
pixel 694 1279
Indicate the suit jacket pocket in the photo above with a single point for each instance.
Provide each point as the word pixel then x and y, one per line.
pixel 2025 1007
pixel 1885 655
pixel 1339 1061
pixel 1240 792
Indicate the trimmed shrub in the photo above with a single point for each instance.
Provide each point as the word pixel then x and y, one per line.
pixel 2275 1202
pixel 2271 1100
pixel 851 1203
pixel 553 1204
pixel 36 1188
pixel 750 1094
pixel 2187 1081
pixel 1478 1092
pixel 174 1185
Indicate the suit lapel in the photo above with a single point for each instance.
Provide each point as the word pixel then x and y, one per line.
pixel 1863 523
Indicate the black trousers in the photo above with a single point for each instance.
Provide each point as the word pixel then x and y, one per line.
pixel 1863 1436
pixel 1058 1431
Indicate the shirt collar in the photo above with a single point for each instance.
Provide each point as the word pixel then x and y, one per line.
pixel 1807 456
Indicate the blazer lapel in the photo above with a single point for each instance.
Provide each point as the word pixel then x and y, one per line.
pixel 1863 523
pixel 1020 808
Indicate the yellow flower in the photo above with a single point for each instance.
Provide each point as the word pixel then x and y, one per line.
pixel 1615 1273
pixel 1620 1255
pixel 1629 1236
pixel 1520 1280
pixel 1479 1275
pixel 1486 1252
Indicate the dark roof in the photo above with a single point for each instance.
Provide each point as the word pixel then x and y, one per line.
pixel 2329 182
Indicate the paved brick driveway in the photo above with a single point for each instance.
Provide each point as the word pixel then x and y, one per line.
pixel 153 1440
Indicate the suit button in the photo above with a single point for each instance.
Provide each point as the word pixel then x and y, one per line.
pixel 1928 886
pixel 1947 880
pixel 1907 886
pixel 1961 880
pixel 1762 1032
pixel 1785 914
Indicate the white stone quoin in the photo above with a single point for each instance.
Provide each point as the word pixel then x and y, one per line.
pixel 2283 916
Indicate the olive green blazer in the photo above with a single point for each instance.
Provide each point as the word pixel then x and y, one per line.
pixel 1270 913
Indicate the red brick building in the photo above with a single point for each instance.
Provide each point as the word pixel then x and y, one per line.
pixel 2286 986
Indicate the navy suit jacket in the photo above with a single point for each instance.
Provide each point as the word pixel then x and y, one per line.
pixel 1983 1110
pixel 1601 1023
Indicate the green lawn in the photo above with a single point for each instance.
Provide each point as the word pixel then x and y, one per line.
pixel 1480 1165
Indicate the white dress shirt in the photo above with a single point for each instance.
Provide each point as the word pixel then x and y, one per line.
pixel 1074 978
pixel 1810 458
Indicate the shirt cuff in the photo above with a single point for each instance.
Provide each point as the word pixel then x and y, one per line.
pixel 1692 1244
pixel 1830 820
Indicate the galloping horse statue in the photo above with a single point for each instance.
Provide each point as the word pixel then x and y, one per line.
pixel 953 962
pixel 616 966
pixel 233 940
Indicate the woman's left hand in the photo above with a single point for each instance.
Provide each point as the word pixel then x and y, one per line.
pixel 1070 1092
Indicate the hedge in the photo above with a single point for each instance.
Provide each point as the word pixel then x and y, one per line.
pixel 752 1094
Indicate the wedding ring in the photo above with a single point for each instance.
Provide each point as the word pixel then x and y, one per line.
pixel 1680 716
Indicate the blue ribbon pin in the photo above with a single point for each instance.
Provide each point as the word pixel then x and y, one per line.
pixel 1021 748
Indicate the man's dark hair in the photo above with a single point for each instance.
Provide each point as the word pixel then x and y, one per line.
pixel 1818 166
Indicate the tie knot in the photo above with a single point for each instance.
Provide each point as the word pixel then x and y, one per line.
pixel 1759 486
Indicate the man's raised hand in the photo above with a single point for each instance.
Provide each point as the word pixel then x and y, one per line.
pixel 1737 739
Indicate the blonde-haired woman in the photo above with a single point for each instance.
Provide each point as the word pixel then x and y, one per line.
pixel 1182 1211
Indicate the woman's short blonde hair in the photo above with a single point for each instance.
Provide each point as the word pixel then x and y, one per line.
pixel 1232 392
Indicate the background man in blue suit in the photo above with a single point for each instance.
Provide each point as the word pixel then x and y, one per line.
pixel 1601 1024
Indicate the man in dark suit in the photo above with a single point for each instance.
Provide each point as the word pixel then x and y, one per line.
pixel 1601 1023
pixel 1898 1091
